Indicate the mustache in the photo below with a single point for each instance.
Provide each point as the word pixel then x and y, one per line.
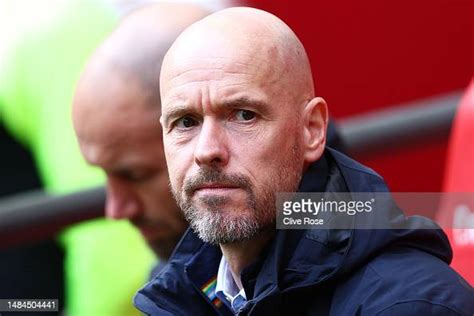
pixel 206 176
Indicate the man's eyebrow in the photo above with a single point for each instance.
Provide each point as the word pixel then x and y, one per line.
pixel 247 103
pixel 177 111
pixel 174 112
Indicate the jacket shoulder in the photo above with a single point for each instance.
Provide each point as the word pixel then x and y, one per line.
pixel 350 163
pixel 358 177
pixel 406 281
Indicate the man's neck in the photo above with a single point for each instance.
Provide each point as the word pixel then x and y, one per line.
pixel 241 254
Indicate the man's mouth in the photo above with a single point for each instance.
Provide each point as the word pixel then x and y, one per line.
pixel 209 183
pixel 215 188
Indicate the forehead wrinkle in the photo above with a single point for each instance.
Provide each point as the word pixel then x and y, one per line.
pixel 202 59
pixel 209 71
pixel 190 83
pixel 187 66
pixel 237 103
pixel 253 75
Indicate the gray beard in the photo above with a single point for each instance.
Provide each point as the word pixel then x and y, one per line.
pixel 215 227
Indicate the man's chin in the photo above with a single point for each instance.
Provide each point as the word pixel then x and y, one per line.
pixel 239 202
pixel 230 211
pixel 223 229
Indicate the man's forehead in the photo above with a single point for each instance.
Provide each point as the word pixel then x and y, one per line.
pixel 224 51
pixel 212 61
pixel 217 81
pixel 234 102
pixel 108 123
pixel 216 47
pixel 218 89
pixel 225 71
pixel 125 147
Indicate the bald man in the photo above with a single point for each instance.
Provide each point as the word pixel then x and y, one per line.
pixel 241 122
pixel 115 114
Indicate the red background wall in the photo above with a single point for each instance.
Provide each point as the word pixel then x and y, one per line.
pixel 367 55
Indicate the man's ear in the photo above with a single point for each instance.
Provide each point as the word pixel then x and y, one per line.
pixel 315 118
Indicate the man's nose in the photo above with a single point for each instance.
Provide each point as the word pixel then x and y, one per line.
pixel 211 148
pixel 120 202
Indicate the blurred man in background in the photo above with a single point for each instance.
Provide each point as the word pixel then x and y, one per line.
pixel 115 114
pixel 46 45
pixel 41 62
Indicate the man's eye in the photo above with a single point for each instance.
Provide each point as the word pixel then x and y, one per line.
pixel 185 122
pixel 245 115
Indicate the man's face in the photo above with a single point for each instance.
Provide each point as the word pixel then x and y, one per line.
pixel 125 141
pixel 231 142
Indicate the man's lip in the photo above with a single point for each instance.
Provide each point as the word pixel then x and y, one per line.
pixel 215 186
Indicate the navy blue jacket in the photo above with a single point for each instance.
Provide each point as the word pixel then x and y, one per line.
pixel 322 272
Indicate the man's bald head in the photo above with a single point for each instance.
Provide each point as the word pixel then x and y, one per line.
pixel 248 36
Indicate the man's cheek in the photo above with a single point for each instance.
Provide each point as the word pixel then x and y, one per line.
pixel 173 180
